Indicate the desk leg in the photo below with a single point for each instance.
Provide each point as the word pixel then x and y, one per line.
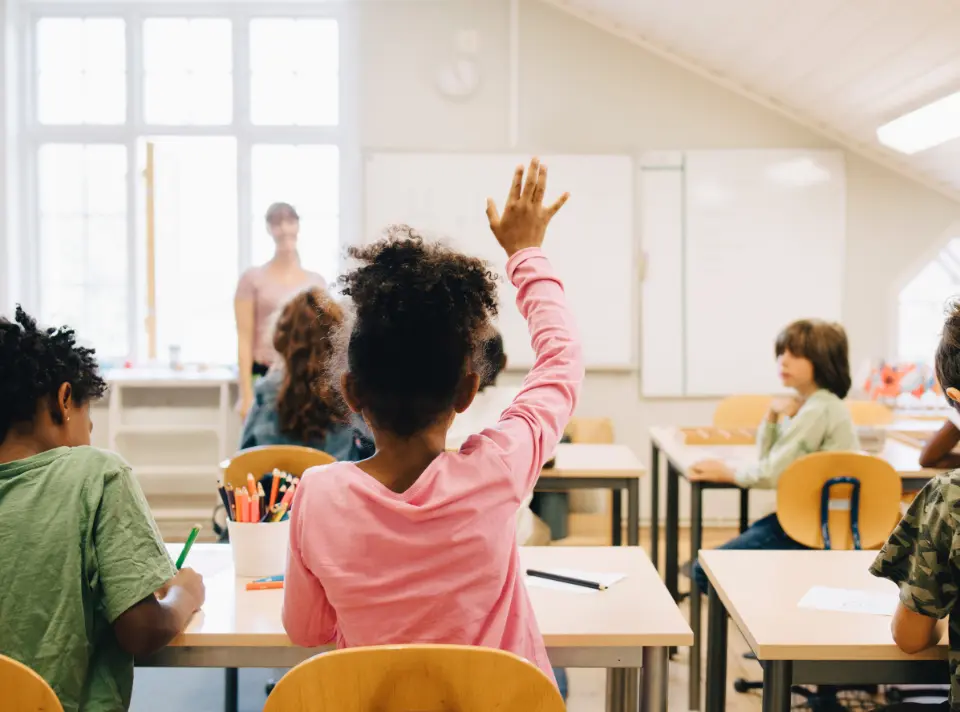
pixel 696 540
pixel 655 506
pixel 616 517
pixel 777 679
pixel 615 690
pixel 716 697
pixel 633 513
pixel 671 532
pixel 631 697
pixel 653 681
pixel 744 509
pixel 231 683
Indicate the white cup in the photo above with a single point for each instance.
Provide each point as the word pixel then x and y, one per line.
pixel 259 549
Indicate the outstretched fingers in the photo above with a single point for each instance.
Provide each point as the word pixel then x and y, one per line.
pixel 533 174
pixel 553 209
pixel 493 215
pixel 514 194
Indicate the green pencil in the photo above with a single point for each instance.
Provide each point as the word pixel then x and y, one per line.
pixel 186 547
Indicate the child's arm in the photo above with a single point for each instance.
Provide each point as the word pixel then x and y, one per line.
pixel 156 620
pixel 531 427
pixel 938 452
pixel 308 617
pixel 802 436
pixel 132 566
pixel 917 557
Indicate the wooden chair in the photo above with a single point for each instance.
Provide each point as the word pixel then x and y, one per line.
pixel 741 411
pixel 866 412
pixel 23 690
pixel 800 495
pixel 836 500
pixel 426 678
pixel 294 459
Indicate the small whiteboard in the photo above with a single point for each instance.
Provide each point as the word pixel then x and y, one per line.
pixel 590 242
pixel 738 244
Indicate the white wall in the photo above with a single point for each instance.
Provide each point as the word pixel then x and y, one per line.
pixel 583 90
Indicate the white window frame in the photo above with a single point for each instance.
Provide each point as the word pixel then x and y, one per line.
pixel 344 135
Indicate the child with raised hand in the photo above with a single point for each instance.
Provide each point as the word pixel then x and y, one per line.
pixel 88 584
pixel 416 544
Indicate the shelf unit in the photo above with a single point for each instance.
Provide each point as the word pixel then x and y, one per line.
pixel 166 471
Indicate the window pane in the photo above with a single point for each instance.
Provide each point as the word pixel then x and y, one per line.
pixel 83 242
pixel 196 247
pixel 81 67
pixel 922 305
pixel 188 71
pixel 308 177
pixel 294 66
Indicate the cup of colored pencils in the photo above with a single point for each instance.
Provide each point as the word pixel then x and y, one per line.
pixel 258 520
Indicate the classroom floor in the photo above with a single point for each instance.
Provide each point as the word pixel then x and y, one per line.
pixel 200 690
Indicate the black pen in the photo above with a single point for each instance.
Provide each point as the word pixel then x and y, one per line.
pixel 567 579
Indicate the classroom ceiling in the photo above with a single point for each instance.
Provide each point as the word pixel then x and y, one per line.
pixel 841 67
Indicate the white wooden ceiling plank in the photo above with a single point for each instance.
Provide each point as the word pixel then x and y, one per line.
pixel 890 39
pixel 737 26
pixel 762 57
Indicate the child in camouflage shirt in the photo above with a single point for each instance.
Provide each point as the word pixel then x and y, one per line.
pixel 923 553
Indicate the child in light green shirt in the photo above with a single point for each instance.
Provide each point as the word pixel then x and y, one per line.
pixel 88 584
pixel 812 357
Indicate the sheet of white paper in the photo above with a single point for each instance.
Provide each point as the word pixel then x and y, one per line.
pixel 606 579
pixel 824 598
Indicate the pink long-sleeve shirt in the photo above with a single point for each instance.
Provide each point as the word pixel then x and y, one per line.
pixel 439 562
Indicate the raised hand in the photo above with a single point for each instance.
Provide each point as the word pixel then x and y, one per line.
pixel 525 219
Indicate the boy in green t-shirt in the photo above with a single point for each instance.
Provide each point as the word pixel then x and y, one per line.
pixel 922 555
pixel 88 584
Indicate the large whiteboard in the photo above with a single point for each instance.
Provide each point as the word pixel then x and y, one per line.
pixel 590 242
pixel 737 245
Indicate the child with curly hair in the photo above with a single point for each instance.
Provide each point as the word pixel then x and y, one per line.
pixel 297 403
pixel 416 544
pixel 89 584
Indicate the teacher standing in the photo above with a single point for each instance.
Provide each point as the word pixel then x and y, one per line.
pixel 262 291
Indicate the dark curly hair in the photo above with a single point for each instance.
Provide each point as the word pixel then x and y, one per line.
pixel 947 360
pixel 35 362
pixel 308 404
pixel 421 310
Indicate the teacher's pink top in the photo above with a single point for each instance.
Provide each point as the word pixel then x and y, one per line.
pixel 269 297
pixel 439 563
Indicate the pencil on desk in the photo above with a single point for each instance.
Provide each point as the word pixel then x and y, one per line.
pixel 567 579
pixel 264 585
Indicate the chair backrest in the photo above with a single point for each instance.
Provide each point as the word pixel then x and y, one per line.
pixel 294 459
pixel 425 678
pixel 741 411
pixel 596 431
pixel 23 690
pixel 864 412
pixel 801 486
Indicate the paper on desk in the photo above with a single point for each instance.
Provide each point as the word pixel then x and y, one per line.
pixel 824 598
pixel 606 579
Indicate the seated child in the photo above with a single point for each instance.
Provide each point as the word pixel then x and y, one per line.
pixel 417 544
pixel 923 552
pixel 813 361
pixel 88 584
pixel 296 403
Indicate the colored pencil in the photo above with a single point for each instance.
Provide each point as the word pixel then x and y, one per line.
pixel 264 586
pixel 232 509
pixel 280 511
pixel 222 491
pixel 274 486
pixel 254 508
pixel 192 537
pixel 278 577
pixel 243 504
pixel 251 484
pixel 288 497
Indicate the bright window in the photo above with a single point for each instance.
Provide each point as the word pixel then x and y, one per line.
pixel 83 241
pixel 188 71
pixel 81 71
pixel 923 303
pixel 235 125
pixel 294 69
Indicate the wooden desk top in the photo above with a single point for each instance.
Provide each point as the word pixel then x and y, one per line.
pixel 598 461
pixel 635 612
pixel 902 456
pixel 761 589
